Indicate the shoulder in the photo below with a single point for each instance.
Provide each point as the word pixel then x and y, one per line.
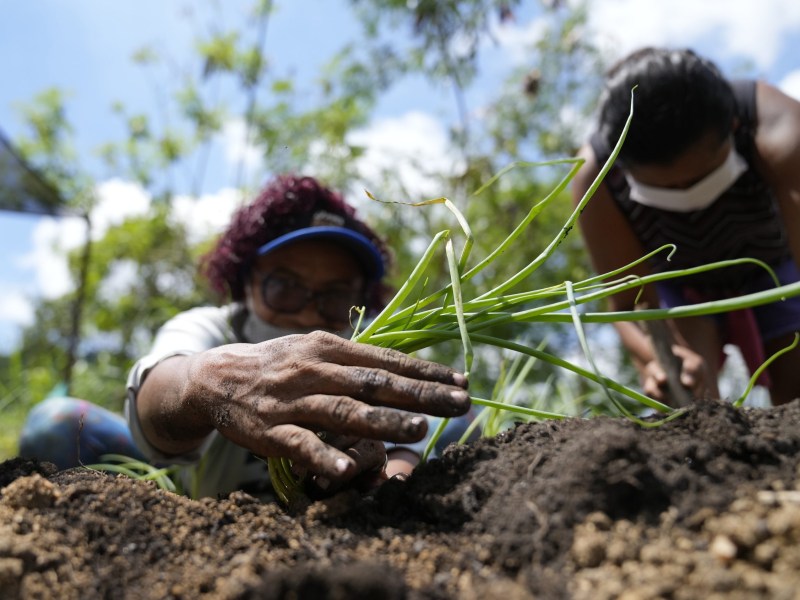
pixel 587 173
pixel 778 133
pixel 199 328
pixel 204 315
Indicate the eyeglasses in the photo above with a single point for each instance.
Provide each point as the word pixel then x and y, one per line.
pixel 287 295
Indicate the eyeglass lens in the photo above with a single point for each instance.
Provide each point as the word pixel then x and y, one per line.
pixel 287 295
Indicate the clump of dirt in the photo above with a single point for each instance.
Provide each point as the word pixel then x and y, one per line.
pixel 704 505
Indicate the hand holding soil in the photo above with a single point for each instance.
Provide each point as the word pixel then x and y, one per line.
pixel 692 374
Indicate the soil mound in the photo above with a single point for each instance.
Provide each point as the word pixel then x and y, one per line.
pixel 704 506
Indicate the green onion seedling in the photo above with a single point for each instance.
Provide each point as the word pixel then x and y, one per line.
pixel 413 320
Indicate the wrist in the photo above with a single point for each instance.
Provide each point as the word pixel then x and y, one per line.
pixel 195 398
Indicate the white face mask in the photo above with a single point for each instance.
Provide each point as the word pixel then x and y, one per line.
pixel 256 330
pixel 697 197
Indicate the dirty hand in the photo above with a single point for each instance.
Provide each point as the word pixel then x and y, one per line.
pixel 272 397
pixel 694 375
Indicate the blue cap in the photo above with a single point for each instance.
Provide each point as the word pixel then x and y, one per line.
pixel 364 250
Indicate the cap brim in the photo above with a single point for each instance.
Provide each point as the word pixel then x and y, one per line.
pixel 364 250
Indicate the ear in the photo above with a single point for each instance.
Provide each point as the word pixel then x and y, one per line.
pixel 735 124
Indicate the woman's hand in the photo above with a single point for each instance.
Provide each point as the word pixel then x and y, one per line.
pixel 272 397
pixel 694 375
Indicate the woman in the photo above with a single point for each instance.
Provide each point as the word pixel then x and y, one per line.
pixel 713 167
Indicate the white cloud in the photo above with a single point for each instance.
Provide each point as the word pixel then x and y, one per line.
pixel 16 311
pixel 15 307
pixel 123 279
pixel 207 215
pixel 238 150
pixel 117 201
pixel 790 84
pixel 119 281
pixel 202 217
pixel 53 238
pixel 414 147
pixel 517 40
pixel 739 28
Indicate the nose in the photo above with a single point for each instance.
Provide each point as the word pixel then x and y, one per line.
pixel 309 318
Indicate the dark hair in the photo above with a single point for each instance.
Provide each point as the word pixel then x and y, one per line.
pixel 679 98
pixel 286 204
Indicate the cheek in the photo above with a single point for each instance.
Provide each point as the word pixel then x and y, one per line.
pixel 275 318
pixel 256 304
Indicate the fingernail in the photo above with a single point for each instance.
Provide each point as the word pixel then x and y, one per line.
pixel 460 396
pixel 322 483
pixel 460 380
pixel 341 465
pixel 417 421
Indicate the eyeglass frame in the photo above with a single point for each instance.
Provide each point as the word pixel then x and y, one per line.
pixel 310 295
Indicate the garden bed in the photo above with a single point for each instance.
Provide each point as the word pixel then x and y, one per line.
pixel 706 505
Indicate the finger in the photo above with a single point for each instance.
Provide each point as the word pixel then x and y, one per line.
pixel 383 387
pixel 652 389
pixel 369 455
pixel 370 459
pixel 688 380
pixel 335 349
pixel 656 372
pixel 304 448
pixel 654 381
pixel 338 441
pixel 691 367
pixel 345 416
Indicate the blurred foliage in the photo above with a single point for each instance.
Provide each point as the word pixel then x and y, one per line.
pixel 545 104
pixel 230 80
pixel 444 37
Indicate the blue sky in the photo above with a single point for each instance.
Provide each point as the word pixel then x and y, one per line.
pixel 84 47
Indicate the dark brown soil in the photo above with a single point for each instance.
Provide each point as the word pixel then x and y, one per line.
pixel 706 506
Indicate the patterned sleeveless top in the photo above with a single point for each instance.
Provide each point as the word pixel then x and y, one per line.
pixel 743 222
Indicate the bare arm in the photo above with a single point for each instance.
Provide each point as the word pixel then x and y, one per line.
pixel 272 397
pixel 170 421
pixel 778 144
pixel 612 244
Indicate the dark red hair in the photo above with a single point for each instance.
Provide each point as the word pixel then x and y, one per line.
pixel 286 204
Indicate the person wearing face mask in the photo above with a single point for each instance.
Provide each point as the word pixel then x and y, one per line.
pixel 713 167
pixel 272 373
